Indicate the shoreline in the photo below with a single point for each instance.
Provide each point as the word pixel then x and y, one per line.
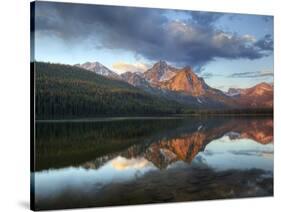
pixel 167 117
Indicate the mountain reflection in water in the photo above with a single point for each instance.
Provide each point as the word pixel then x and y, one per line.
pixel 147 161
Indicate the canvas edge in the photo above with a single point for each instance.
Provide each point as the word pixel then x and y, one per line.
pixel 32 102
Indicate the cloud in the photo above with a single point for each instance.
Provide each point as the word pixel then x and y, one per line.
pixel 249 38
pixel 266 43
pixel 207 75
pixel 147 33
pixel 267 18
pixel 199 45
pixel 205 18
pixel 122 67
pixel 265 73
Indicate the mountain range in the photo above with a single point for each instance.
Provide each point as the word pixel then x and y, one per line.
pixel 184 86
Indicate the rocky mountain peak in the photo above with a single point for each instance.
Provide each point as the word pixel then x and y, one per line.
pixel 188 82
pixel 160 72
pixel 258 90
pixel 135 78
pixel 161 64
pixel 100 69
pixel 260 95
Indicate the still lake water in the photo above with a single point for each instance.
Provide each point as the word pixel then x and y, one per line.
pixel 135 161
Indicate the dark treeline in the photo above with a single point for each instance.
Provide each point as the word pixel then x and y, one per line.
pixel 64 91
pixel 236 111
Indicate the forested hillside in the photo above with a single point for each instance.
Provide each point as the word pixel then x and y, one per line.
pixel 64 91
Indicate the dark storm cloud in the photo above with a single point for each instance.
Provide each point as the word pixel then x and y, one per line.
pixel 74 21
pixel 147 33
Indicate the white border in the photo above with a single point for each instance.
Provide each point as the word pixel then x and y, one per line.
pixel 14 112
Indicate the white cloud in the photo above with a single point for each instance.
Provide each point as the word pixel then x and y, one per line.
pixel 122 67
pixel 249 38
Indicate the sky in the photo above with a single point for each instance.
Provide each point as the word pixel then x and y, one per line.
pixel 226 49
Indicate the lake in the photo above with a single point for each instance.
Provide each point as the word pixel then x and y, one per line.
pixel 106 162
